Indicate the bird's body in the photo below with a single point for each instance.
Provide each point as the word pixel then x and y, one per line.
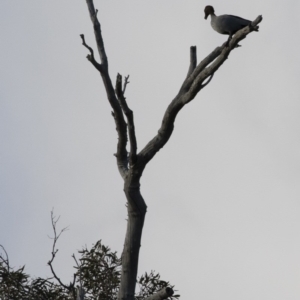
pixel 226 24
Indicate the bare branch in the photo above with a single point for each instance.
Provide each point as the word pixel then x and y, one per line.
pixel 215 65
pixel 129 115
pixel 98 34
pixel 208 81
pixel 57 278
pixel 201 66
pixel 91 57
pixel 76 260
pixel 122 155
pixel 54 221
pixel 125 84
pixel 190 88
pixel 254 24
pixel 193 60
pixel 85 45
pixel 5 260
pixel 162 294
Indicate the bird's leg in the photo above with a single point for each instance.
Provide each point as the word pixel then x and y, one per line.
pixel 228 41
pixel 226 44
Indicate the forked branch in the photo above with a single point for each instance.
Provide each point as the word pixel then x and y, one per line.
pixel 198 77
pixel 129 115
pixel 54 221
pixel 191 87
pixel 121 127
pixel 125 84
pixel 98 34
pixel 91 57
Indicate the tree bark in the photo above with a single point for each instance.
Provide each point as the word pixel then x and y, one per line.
pixel 131 165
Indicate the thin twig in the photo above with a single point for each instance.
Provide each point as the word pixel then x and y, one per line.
pixel 54 221
pixel 85 45
pixel 91 57
pixel 6 261
pixel 125 84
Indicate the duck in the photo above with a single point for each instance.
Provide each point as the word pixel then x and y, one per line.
pixel 226 24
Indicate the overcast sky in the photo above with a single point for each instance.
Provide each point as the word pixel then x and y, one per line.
pixel 223 194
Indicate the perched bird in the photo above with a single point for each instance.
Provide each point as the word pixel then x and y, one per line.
pixel 226 24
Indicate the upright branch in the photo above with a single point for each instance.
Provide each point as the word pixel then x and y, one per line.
pixel 128 166
pixel 193 60
pixel 129 115
pixel 122 156
pixel 132 166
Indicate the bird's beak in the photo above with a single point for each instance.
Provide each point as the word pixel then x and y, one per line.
pixel 205 17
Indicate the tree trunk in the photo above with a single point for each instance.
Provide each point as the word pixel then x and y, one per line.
pixel 131 165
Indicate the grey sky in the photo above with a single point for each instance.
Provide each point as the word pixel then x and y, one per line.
pixel 223 194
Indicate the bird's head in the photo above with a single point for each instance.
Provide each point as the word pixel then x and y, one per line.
pixel 208 10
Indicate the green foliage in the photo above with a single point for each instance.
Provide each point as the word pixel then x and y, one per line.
pixel 98 273
pixel 16 284
pixel 150 284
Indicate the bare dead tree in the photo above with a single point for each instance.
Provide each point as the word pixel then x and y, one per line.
pixel 131 165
